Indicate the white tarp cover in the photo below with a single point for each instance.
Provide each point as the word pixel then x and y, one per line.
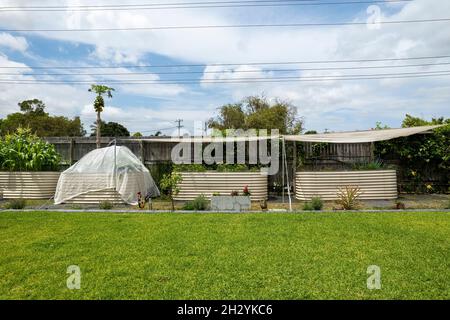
pixel 360 136
pixel 334 137
pixel 100 169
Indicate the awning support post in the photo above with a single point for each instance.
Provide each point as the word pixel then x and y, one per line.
pixel 287 175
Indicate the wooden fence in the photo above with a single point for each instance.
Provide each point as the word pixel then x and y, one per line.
pixel 73 149
pixel 338 152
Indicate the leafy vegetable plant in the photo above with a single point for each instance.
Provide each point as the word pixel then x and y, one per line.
pixel 24 151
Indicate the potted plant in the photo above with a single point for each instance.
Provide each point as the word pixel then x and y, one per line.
pixel 28 166
pixel 232 202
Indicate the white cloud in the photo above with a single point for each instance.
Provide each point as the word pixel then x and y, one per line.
pixel 332 104
pixel 14 43
pixel 144 119
pixel 117 56
pixel 60 99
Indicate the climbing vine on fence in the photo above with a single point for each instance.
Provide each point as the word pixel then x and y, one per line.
pixel 424 159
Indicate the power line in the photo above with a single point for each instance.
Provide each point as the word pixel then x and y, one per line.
pixel 153 4
pixel 156 130
pixel 253 78
pixel 241 82
pixel 227 64
pixel 246 80
pixel 230 26
pixel 191 5
pixel 225 71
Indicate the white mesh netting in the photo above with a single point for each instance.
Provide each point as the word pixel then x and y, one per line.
pixel 101 170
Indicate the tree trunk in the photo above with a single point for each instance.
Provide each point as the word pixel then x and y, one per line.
pixel 98 131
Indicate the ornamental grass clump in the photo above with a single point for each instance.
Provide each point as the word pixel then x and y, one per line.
pixel 24 151
pixel 348 197
pixel 373 165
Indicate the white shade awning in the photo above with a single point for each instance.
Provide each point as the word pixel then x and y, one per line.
pixel 360 136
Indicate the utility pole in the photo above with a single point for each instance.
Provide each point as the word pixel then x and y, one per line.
pixel 206 128
pixel 179 126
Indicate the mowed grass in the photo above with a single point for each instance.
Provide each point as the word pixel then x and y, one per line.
pixel 224 256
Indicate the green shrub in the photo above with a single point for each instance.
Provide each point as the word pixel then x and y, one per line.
pixel 16 204
pixel 422 157
pixel 225 167
pixel 106 205
pixel 317 203
pixel 195 167
pixel 307 206
pixel 255 168
pixel 24 151
pixel 198 204
pixel 188 206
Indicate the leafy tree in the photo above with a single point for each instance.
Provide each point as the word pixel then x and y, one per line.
pixel 169 184
pixel 256 112
pixel 231 116
pixel 33 106
pixel 137 135
pixel 99 105
pixel 380 126
pixel 33 116
pixel 411 121
pixel 111 129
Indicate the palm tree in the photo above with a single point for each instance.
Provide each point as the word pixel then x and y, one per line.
pixel 99 105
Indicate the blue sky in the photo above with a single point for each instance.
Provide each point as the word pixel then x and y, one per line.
pixel 334 105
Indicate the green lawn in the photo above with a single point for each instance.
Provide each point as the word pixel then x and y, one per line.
pixel 224 256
